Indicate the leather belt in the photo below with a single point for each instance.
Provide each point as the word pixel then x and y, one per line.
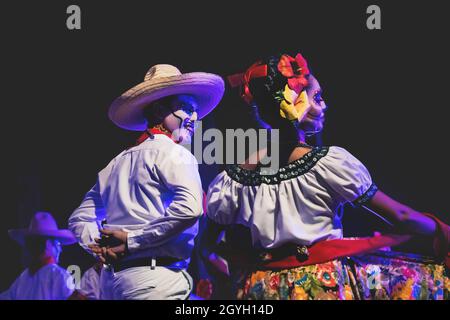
pixel 145 262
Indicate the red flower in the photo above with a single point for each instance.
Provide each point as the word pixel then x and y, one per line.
pixel 204 289
pixel 274 282
pixel 408 272
pixel 295 70
pixel 247 285
pixel 325 274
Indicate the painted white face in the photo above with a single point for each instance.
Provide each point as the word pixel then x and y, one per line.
pixel 54 249
pixel 181 121
pixel 315 117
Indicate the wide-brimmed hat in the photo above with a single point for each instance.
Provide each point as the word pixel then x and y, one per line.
pixel 164 80
pixel 44 225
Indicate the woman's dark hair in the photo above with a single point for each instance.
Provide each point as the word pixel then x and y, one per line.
pixel 265 111
pixel 264 91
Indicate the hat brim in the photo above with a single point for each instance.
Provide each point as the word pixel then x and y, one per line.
pixel 127 110
pixel 65 237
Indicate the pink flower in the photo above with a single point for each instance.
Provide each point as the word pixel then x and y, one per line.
pixel 409 273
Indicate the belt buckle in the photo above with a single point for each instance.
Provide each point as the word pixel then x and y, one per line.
pixel 301 253
pixel 152 263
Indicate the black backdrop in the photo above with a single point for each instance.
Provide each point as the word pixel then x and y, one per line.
pixel 386 91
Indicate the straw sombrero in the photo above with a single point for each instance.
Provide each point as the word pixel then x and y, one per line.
pixel 163 80
pixel 43 224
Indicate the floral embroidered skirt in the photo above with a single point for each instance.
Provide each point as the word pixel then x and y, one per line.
pixel 382 275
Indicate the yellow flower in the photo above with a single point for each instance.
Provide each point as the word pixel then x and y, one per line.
pixel 258 276
pixel 298 293
pixel 348 293
pixel 299 275
pixel 446 286
pixel 403 291
pixel 294 106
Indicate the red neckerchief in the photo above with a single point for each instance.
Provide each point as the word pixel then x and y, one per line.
pixel 150 133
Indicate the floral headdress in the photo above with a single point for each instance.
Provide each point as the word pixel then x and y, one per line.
pixel 286 78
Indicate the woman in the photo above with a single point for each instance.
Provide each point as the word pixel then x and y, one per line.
pixel 283 233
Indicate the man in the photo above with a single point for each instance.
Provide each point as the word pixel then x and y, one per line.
pixel 90 282
pixel 43 279
pixel 150 194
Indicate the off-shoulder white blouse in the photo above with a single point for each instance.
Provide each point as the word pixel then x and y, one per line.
pixel 299 204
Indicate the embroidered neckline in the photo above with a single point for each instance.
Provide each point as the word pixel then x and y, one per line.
pixel 290 171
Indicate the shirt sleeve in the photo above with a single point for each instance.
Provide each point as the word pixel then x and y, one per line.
pixel 346 176
pixel 223 199
pixel 63 284
pixel 178 171
pixel 89 284
pixel 12 292
pixel 84 221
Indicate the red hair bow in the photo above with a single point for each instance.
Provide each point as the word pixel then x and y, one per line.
pixel 256 70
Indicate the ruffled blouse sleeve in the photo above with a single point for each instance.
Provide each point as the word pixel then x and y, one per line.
pixel 346 176
pixel 222 199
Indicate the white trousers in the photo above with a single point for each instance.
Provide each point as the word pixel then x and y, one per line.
pixel 145 283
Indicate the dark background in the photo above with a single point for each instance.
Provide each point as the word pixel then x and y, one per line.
pixel 387 102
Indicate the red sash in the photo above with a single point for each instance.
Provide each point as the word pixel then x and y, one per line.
pixel 333 249
pixel 329 250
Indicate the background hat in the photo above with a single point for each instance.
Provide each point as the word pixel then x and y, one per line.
pixel 164 80
pixel 43 224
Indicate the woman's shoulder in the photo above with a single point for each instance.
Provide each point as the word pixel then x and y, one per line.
pixel 338 157
pixel 336 150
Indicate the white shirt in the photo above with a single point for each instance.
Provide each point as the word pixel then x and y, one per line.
pixel 51 282
pixel 297 205
pixel 153 191
pixel 90 284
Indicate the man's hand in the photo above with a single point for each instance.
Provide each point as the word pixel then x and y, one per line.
pixel 109 255
pixel 111 247
pixel 112 238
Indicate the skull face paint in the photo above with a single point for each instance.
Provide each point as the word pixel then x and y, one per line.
pixel 314 119
pixel 181 120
